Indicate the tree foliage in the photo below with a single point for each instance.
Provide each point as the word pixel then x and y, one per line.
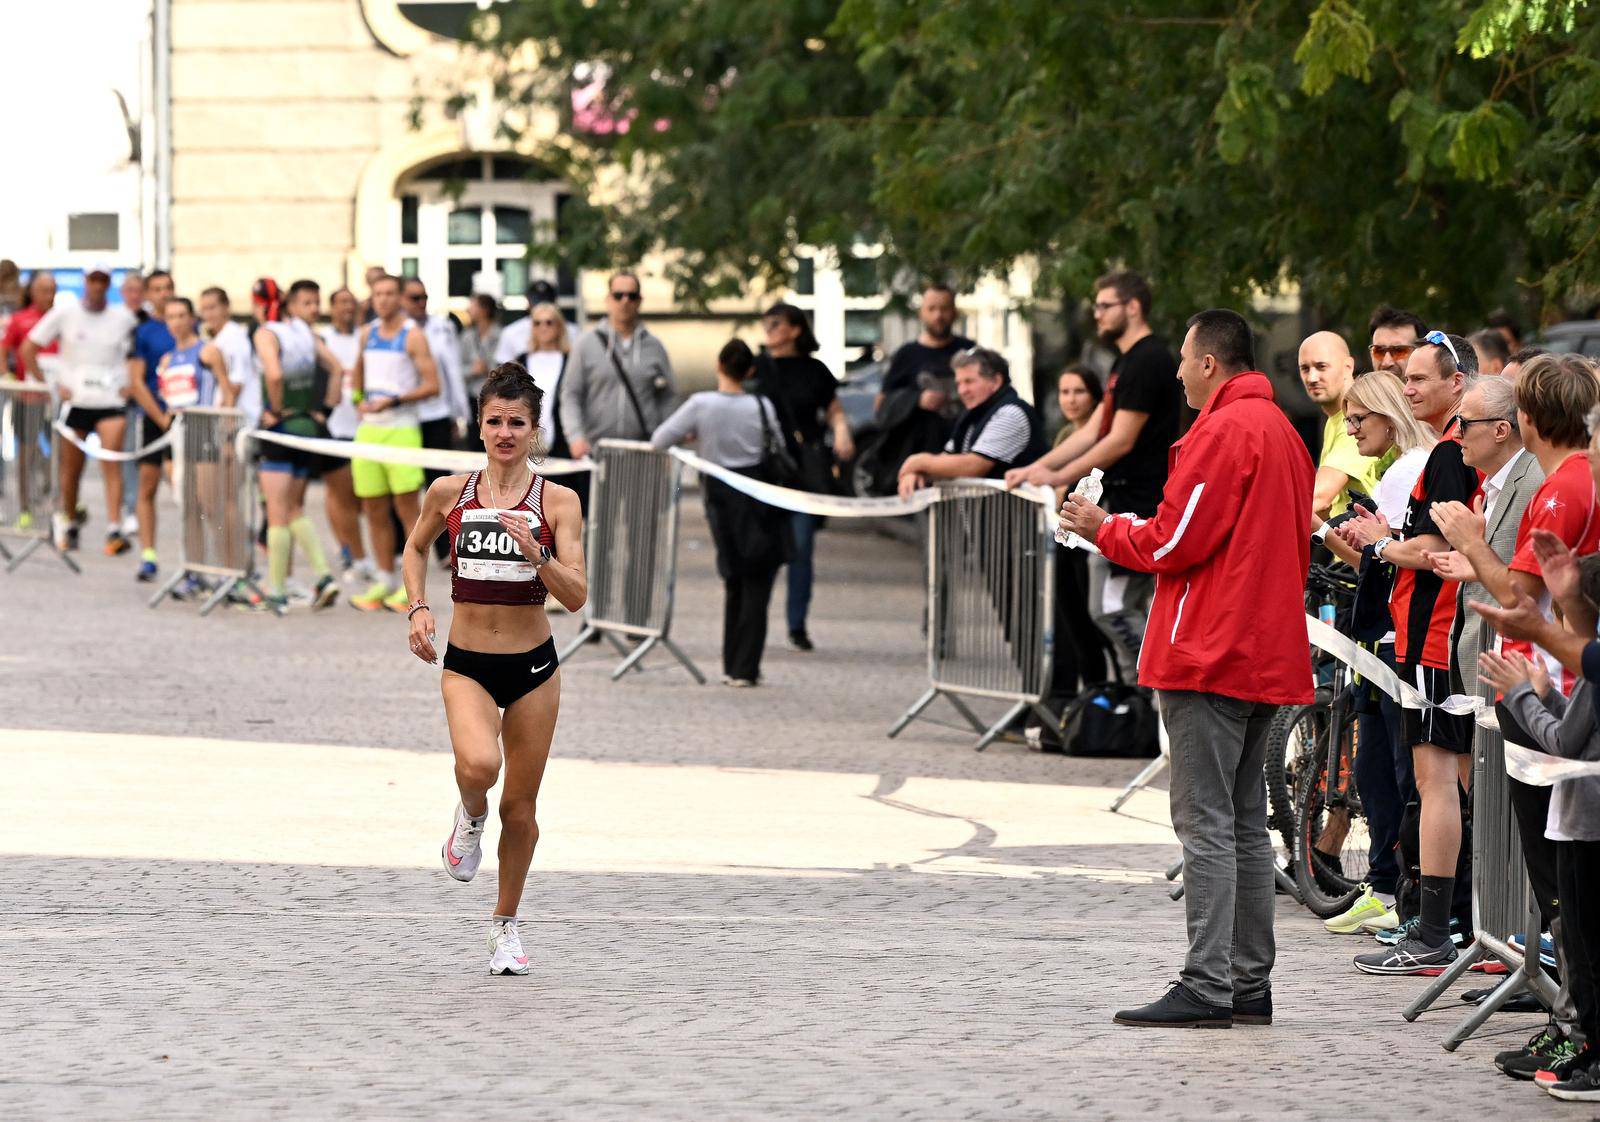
pixel 1441 155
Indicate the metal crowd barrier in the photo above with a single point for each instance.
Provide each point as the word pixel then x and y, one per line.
pixel 1502 897
pixel 991 599
pixel 632 553
pixel 27 472
pixel 216 503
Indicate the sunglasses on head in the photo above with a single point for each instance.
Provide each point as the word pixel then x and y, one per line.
pixel 1440 339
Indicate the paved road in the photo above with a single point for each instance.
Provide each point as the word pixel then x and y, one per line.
pixel 219 894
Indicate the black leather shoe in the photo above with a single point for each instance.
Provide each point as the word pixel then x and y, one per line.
pixel 1523 1002
pixel 1255 1010
pixel 1178 1009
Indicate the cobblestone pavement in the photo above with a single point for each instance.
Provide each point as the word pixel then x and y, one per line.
pixel 219 895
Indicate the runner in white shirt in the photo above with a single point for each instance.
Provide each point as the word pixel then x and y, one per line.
pixel 232 339
pixel 343 337
pixel 94 339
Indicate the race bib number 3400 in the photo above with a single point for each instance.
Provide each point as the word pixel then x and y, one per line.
pixel 485 549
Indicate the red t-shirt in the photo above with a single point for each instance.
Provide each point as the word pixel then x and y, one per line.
pixel 17 328
pixel 1564 505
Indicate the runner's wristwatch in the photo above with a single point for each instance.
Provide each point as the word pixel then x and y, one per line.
pixel 1380 545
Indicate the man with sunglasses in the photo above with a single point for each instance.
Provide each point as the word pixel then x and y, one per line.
pixel 619 382
pixel 1423 604
pixel 1395 334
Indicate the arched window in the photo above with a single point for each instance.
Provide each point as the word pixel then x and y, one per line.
pixel 463 224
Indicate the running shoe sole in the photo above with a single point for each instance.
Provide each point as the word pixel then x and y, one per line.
pixel 508 971
pixel 1207 1024
pixel 325 598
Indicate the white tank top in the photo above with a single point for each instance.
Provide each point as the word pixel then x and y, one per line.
pixel 387 371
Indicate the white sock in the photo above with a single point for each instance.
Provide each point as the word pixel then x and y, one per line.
pixel 386 577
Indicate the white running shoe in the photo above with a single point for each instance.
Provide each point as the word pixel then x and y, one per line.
pixel 461 851
pixel 506 955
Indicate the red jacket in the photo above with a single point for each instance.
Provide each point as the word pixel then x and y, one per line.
pixel 1230 546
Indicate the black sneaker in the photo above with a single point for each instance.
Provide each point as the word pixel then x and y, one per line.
pixel 1409 956
pixel 1582 1086
pixel 1523 1002
pixel 800 641
pixel 1255 1010
pixel 1178 1009
pixel 1524 1062
pixel 1558 1071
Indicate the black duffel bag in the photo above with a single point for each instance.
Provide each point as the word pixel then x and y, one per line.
pixel 1111 719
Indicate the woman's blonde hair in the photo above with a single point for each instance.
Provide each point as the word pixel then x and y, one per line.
pixel 1383 393
pixel 563 342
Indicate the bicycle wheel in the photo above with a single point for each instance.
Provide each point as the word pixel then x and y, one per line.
pixel 1295 729
pixel 1331 838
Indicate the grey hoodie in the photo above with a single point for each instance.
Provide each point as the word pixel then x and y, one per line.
pixel 1565 726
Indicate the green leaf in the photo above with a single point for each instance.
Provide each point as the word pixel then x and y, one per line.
pixel 1337 43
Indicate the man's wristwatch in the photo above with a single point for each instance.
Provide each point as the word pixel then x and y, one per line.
pixel 1380 545
pixel 1320 534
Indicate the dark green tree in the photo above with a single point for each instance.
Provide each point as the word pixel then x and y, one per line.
pixel 1442 155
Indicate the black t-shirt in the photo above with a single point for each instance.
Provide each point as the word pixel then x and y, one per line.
pixel 1143 380
pixel 914 359
pixel 802 388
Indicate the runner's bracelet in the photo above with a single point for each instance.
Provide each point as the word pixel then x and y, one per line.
pixel 417 607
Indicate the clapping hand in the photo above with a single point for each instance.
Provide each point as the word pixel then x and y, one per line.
pixel 1507 671
pixel 1452 566
pixel 1362 528
pixel 1461 527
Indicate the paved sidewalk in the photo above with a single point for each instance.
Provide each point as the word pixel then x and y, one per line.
pixel 221 898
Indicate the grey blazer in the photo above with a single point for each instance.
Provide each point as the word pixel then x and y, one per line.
pixel 1473 631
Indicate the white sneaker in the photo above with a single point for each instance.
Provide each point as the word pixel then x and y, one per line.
pixel 299 595
pixel 130 526
pixel 506 955
pixel 461 851
pixel 60 526
pixel 362 572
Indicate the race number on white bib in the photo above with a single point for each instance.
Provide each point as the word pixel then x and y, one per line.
pixel 180 385
pixel 485 549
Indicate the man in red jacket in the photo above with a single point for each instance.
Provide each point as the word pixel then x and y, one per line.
pixel 1225 647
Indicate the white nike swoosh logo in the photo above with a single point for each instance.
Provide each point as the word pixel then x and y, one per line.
pixel 541 669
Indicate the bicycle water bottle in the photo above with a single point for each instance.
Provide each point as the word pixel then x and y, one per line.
pixel 1089 487
pixel 1327 613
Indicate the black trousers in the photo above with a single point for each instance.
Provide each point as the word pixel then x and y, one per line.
pixel 1080 650
pixel 1530 806
pixel 1578 878
pixel 747 595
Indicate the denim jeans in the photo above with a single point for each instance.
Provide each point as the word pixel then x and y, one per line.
pixel 1219 810
pixel 800 570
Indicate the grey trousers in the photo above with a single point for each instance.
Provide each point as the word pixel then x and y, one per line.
pixel 1119 604
pixel 1219 810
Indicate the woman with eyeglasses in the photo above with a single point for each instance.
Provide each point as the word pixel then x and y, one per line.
pixel 1378 416
pixel 546 360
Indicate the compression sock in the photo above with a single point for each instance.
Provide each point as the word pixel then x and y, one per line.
pixel 305 536
pixel 147 555
pixel 279 544
pixel 1434 929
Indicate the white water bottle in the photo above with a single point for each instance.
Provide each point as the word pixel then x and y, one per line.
pixel 1089 487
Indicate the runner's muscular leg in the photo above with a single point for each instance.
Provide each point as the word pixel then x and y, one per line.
pixel 474 738
pixel 1440 824
pixel 72 461
pixel 111 433
pixel 530 725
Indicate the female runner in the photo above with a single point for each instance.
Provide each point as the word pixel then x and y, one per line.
pixel 514 539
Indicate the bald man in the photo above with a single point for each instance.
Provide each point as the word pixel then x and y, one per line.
pixel 1326 371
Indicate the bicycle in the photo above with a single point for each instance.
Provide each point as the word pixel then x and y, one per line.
pixel 1329 840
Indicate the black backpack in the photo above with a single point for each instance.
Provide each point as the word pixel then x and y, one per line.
pixel 1111 719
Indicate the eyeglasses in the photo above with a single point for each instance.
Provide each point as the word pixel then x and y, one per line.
pixel 422 296
pixel 1468 422
pixel 1440 339
pixel 625 296
pixel 1396 351
pixel 1107 305
pixel 1353 421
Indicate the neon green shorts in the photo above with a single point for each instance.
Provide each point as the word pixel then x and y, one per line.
pixel 374 480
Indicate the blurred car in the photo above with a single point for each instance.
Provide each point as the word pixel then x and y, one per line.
pixel 858 393
pixel 1578 336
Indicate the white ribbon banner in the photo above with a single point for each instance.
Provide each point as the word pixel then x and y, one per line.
pixel 1540 770
pixel 837 506
pixel 1376 671
pixel 112 455
pixel 436 459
